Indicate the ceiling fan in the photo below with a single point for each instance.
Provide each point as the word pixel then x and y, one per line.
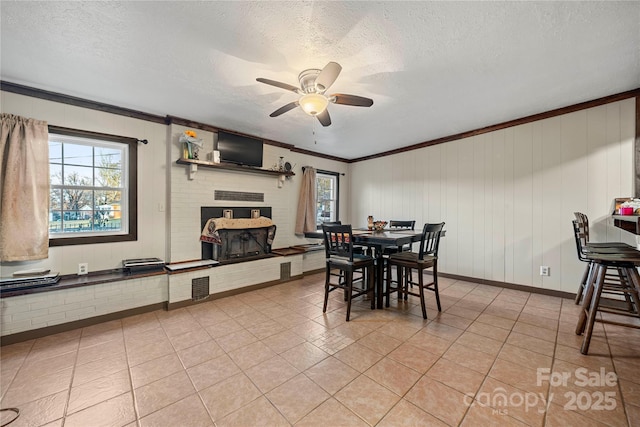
pixel 313 100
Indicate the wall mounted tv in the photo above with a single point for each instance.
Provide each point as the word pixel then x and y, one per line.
pixel 238 149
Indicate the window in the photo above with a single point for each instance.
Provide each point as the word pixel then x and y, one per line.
pixel 93 187
pixel 327 190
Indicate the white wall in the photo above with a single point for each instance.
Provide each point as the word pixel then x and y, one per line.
pixel 152 191
pixel 187 196
pixel 508 197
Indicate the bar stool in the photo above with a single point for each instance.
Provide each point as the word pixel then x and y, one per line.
pixel 395 225
pixel 586 247
pixel 627 285
pixel 338 246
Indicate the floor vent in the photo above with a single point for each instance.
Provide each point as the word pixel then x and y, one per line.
pixel 242 196
pixel 285 271
pixel 200 288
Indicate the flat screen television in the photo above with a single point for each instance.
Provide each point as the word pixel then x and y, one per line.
pixel 240 150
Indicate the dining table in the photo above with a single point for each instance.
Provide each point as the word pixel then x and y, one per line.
pixel 377 241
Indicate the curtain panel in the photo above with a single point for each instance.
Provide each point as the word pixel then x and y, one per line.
pixel 24 189
pixel 306 215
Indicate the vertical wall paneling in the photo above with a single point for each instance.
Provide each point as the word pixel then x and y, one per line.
pixel 509 242
pixel 478 206
pixel 522 199
pixel 465 210
pixel 574 190
pixel 552 201
pixel 614 159
pixel 451 206
pixel 537 191
pixel 498 201
pixel 508 196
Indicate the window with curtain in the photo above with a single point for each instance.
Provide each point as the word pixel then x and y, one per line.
pixel 93 187
pixel 327 193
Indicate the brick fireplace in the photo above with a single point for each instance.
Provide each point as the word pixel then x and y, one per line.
pixel 237 244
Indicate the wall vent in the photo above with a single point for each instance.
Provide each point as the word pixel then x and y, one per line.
pixel 242 196
pixel 200 288
pixel 285 271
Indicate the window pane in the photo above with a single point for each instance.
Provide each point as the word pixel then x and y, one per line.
pixel 326 188
pixel 55 152
pixel 74 199
pixel 78 154
pixel 78 175
pixel 55 221
pixel 55 173
pixel 55 199
pixel 108 157
pixel 108 177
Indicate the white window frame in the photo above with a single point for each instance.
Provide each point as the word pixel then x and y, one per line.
pixel 332 200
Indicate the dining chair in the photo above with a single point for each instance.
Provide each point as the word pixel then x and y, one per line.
pixel 340 255
pixel 425 258
pixel 398 225
pixel 627 286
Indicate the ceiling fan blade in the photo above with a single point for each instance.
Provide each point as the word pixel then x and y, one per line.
pixel 284 109
pixel 324 118
pixel 327 76
pixel 357 101
pixel 279 84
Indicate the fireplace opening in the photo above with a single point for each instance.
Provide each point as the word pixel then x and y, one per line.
pixel 233 244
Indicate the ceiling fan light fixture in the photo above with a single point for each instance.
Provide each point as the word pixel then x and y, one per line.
pixel 313 103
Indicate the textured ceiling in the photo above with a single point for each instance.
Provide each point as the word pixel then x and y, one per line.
pixel 432 68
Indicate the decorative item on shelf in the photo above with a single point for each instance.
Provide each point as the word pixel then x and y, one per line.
pixel 379 225
pixel 370 222
pixel 191 144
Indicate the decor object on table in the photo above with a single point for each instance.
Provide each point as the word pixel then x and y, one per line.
pixel 370 222
pixel 379 225
pixel 191 144
pixel 313 85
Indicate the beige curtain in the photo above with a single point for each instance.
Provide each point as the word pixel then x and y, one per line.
pixel 24 189
pixel 306 217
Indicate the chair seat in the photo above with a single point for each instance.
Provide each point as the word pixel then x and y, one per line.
pixel 412 258
pixel 359 261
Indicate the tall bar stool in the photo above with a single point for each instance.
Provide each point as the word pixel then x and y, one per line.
pixel 627 285
pixel 338 246
pixel 425 258
pixel 586 246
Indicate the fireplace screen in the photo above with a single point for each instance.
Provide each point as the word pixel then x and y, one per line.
pixel 251 242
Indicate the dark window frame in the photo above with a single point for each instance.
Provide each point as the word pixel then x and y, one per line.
pixel 132 189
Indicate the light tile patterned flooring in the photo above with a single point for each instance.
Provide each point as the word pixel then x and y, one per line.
pixel 271 358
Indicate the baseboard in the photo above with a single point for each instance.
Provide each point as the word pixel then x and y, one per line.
pixel 82 323
pixel 507 285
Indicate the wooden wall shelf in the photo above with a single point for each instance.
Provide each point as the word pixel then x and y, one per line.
pixel 194 164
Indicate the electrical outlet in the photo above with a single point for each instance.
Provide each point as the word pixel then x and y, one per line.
pixel 83 268
pixel 544 270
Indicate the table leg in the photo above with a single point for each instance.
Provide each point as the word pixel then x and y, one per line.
pixel 379 279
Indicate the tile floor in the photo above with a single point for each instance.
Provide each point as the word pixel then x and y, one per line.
pixel 271 358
